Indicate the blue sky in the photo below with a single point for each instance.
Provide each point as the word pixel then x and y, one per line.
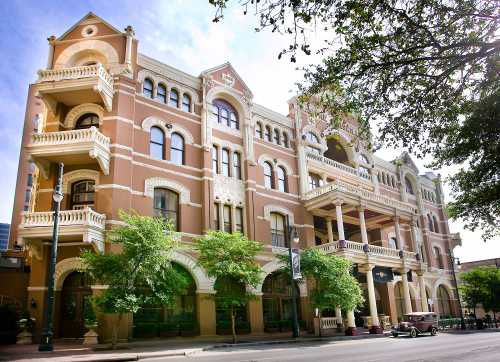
pixel 178 32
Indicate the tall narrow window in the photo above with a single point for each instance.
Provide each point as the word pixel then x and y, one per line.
pixel 238 223
pixel 409 186
pixel 268 175
pixel 225 162
pixel 285 139
pixel 174 98
pixel 278 230
pixel 156 143
pixel 224 116
pixel 214 115
pixel 258 130
pixel 237 165
pixel 147 88
pixel 216 216
pixel 268 134
pixel 436 225
pixel 277 136
pixel 227 219
pixel 215 159
pixel 161 93
pixel 186 102
pixel 177 149
pixel 166 205
pixel 438 258
pixel 281 173
pixel 431 224
pixel 82 194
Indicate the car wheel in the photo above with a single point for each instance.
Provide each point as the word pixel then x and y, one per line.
pixel 413 333
pixel 434 331
pixel 395 335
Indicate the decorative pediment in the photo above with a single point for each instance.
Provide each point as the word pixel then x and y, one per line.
pixel 225 75
pixel 88 26
pixel 406 159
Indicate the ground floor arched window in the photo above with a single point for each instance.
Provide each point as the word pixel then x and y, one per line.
pixel 224 286
pixel 444 302
pixel 177 319
pixel 277 303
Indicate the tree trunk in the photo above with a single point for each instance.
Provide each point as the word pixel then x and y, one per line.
pixel 233 324
pixel 114 337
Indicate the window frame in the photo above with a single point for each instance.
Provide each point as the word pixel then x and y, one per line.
pixel 162 97
pixel 215 159
pixel 160 130
pixel 228 222
pixel 268 178
pixel 173 101
pixel 186 106
pixel 237 165
pixel 160 212
pixel 278 236
pixel 282 179
pixel 226 114
pixel 226 166
pixel 148 93
pixel 258 130
pixel 181 150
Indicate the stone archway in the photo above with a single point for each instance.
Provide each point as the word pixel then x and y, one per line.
pixel 64 268
pixel 204 284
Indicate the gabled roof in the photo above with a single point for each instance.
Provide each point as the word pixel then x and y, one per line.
pixel 407 160
pixel 230 66
pixel 89 15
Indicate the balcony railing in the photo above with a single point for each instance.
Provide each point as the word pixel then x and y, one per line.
pixel 66 218
pixel 340 166
pixel 85 71
pixel 70 137
pixel 344 187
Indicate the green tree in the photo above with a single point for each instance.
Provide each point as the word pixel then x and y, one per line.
pixel 426 71
pixel 491 301
pixel 230 259
pixel 333 283
pixel 140 273
pixel 481 286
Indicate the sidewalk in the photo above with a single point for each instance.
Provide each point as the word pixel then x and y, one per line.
pixel 136 350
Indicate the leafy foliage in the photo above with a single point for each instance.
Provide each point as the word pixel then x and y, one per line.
pixel 140 273
pixel 427 71
pixel 481 286
pixel 334 284
pixel 230 259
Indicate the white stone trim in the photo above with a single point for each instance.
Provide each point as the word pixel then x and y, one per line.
pixel 78 111
pixel 268 209
pixel 151 121
pixel 104 48
pixel 265 157
pixel 151 183
pixel 64 268
pixel 78 175
pixel 273 266
pixel 204 284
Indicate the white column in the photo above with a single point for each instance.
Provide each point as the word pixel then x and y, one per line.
pixel 50 57
pixel 362 225
pixel 423 294
pixel 329 229
pixel 338 315
pixel 406 292
pixel 351 322
pixel 371 297
pixel 340 221
pixel 398 233
pixel 128 48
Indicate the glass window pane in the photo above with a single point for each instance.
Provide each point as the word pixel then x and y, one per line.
pixel 237 165
pixel 215 159
pixel 186 103
pixel 174 98
pixel 239 219
pixel 227 218
pixel 157 135
pixel 225 162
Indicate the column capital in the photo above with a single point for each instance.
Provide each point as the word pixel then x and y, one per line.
pixel 361 207
pixel 404 270
pixel 338 202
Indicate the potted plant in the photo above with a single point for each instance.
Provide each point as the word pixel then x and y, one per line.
pixel 90 320
pixel 25 324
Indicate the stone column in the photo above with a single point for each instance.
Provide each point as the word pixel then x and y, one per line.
pixel 256 317
pixel 397 230
pixel 50 58
pixel 415 241
pixel 329 229
pixel 375 328
pixel 205 313
pixel 406 291
pixel 338 315
pixel 340 221
pixel 362 225
pixel 351 324
pixel 423 294
pixel 128 48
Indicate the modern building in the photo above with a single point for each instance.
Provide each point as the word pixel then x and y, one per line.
pixel 136 133
pixel 4 236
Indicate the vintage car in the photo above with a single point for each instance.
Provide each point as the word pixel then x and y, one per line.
pixel 417 323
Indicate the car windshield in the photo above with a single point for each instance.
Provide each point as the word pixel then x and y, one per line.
pixel 410 318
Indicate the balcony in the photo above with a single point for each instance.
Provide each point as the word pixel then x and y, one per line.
pixel 84 226
pixel 76 85
pixel 334 168
pixel 77 147
pixel 378 255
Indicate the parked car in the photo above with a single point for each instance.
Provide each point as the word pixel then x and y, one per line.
pixel 417 323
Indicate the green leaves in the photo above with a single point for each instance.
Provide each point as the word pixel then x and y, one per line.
pixel 481 286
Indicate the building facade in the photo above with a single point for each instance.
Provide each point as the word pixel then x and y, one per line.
pixel 135 133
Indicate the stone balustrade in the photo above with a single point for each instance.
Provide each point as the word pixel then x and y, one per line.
pixel 329 323
pixel 70 137
pixel 66 218
pixel 85 71
pixel 337 165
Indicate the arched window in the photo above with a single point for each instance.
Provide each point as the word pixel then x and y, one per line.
pixel 82 194
pixel 224 113
pixel 268 175
pixel 156 143
pixel 87 120
pixel 174 98
pixel 268 134
pixel 314 181
pixel 285 140
pixel 429 221
pixel 312 138
pixel 237 165
pixel 277 299
pixel 258 130
pixel 215 159
pixel 166 205
pixel 281 173
pixel 278 229
pixel 409 186
pixel 225 162
pixel 277 136
pixel 147 88
pixel 436 224
pixel 177 149
pixel 438 257
pixel 444 303
pixel 161 93
pixel 186 102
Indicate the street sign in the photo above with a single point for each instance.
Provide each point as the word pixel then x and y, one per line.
pixel 296 264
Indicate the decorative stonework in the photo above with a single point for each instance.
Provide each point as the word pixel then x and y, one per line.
pixel 168 128
pixel 265 157
pixel 228 79
pixel 229 189
pixel 65 59
pixel 151 183
pixel 89 30
pixel 273 266
pixel 78 175
pixel 268 209
pixel 80 110
pixel 64 268
pixel 204 284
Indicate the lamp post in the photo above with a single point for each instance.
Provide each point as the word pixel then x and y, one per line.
pixel 294 260
pixel 47 331
pixel 453 259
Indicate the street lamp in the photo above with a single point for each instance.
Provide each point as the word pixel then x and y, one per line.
pixel 453 259
pixel 47 331
pixel 294 260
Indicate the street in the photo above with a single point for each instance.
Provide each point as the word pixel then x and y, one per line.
pixel 444 347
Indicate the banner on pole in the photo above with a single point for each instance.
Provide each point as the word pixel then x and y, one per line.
pixel 296 264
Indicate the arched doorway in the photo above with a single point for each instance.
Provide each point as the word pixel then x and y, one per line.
pixel 227 286
pixel 75 301
pixel 444 302
pixel 176 319
pixel 277 302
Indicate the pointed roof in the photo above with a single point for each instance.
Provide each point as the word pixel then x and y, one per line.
pixel 231 68
pixel 89 15
pixel 408 161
